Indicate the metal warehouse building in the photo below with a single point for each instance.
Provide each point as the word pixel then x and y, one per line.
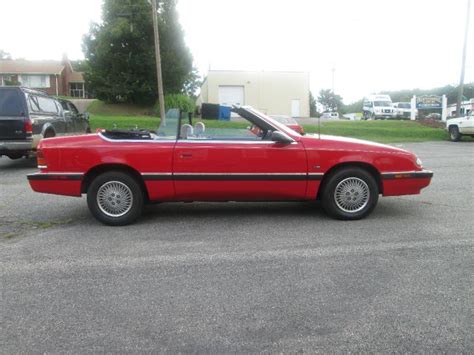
pixel 275 93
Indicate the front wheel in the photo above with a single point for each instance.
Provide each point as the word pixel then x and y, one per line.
pixel 350 194
pixel 115 198
pixel 454 134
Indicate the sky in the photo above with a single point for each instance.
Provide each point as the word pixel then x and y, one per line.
pixel 369 45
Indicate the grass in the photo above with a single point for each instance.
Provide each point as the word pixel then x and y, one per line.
pixel 381 131
pixel 377 131
pixel 101 108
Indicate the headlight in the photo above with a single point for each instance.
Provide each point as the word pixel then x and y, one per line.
pixel 419 162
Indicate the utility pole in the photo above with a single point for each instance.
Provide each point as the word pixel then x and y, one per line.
pixel 463 65
pixel 159 78
pixel 333 75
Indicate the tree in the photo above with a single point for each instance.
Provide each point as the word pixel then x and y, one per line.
pixel 329 100
pixel 4 55
pixel 120 57
pixel 313 112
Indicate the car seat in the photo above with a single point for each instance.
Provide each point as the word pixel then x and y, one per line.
pixel 186 131
pixel 199 129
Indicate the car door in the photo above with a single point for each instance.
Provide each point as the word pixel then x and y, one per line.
pixel 469 124
pixel 238 168
pixel 78 118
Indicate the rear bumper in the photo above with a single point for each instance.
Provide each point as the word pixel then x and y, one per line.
pixel 67 184
pixel 15 146
pixel 405 182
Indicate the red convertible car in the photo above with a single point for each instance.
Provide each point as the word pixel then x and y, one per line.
pixel 120 171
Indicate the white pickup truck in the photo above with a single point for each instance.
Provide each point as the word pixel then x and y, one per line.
pixel 460 126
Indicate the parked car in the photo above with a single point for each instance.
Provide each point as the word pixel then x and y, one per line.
pixel 120 171
pixel 403 110
pixel 27 116
pixel 377 106
pixel 433 116
pixel 289 122
pixel 330 115
pixel 461 126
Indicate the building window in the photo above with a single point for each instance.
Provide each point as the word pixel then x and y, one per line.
pixel 76 90
pixel 35 81
pixel 5 80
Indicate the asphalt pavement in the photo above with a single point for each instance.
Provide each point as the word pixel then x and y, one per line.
pixel 242 277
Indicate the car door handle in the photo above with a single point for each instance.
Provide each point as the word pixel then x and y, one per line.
pixel 185 155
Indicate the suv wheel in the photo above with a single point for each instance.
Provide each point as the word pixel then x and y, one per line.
pixel 454 134
pixel 350 194
pixel 15 156
pixel 115 198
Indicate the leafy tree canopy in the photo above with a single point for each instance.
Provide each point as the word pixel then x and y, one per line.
pixel 4 55
pixel 120 56
pixel 330 100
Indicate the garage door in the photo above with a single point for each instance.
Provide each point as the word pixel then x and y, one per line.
pixel 231 95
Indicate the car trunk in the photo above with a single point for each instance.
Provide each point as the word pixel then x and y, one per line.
pixel 12 114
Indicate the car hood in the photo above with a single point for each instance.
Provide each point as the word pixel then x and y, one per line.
pixel 346 143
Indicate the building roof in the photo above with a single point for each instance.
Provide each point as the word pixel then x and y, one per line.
pixel 76 77
pixel 31 67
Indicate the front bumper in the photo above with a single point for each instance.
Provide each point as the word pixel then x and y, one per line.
pixel 15 146
pixel 405 182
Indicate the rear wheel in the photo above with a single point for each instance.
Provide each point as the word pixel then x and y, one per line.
pixel 350 194
pixel 115 198
pixel 49 134
pixel 454 134
pixel 15 156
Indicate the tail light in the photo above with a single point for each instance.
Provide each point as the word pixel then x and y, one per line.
pixel 41 160
pixel 28 126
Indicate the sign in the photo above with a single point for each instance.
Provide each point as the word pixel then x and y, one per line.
pixel 429 102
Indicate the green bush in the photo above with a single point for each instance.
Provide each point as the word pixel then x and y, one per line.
pixel 183 102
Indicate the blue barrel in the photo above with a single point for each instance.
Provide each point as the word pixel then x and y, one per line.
pixel 224 113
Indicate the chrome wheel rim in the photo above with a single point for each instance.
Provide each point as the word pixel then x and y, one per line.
pixel 114 199
pixel 352 195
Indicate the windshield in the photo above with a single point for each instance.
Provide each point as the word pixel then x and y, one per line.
pixel 169 130
pixel 382 104
pixel 404 105
pixel 284 119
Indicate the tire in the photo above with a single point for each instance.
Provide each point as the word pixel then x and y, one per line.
pixel 115 198
pixel 358 185
pixel 49 134
pixel 454 134
pixel 15 156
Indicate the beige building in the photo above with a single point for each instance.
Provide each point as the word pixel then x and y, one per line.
pixel 274 93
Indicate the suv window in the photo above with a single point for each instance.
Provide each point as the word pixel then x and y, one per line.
pixel 64 105
pixel 47 105
pixel 11 103
pixel 73 108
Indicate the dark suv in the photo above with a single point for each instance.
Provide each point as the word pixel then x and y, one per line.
pixel 27 115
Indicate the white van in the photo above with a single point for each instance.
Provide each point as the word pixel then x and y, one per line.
pixel 377 106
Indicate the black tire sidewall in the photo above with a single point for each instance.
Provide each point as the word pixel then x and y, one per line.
pixel 329 204
pixel 453 130
pixel 126 179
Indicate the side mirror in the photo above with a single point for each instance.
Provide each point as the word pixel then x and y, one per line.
pixel 280 137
